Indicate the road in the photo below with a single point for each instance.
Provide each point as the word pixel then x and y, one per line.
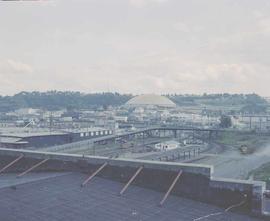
pixel 230 163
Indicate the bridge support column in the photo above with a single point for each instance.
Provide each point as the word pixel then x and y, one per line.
pixel 143 139
pixel 210 135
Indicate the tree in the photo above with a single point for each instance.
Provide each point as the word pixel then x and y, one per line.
pixel 225 121
pixel 254 109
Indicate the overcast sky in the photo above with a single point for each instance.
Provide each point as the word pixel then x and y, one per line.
pixel 135 46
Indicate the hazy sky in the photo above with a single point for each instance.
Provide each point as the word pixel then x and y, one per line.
pixel 137 46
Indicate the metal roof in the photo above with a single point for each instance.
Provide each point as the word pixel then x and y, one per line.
pixel 12 140
pixel 151 99
pixel 60 197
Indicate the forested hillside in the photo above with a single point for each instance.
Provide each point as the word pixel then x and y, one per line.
pixel 58 100
pixel 249 103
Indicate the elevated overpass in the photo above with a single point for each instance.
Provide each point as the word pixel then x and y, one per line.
pixel 143 133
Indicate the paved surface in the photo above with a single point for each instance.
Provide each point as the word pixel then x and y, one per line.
pixel 61 198
pixel 232 164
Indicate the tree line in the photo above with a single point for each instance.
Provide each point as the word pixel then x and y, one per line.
pixel 53 100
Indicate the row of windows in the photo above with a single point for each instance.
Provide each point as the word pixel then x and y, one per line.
pixel 96 133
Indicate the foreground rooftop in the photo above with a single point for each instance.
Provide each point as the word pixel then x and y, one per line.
pixel 59 196
pixel 51 186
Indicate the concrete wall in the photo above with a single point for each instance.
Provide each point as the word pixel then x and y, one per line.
pixel 234 191
pixel 195 182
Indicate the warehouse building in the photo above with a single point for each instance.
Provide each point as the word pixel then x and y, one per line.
pixel 38 139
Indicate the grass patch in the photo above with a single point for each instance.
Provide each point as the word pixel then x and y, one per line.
pixel 262 174
pixel 251 141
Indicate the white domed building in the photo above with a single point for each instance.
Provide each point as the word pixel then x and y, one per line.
pixel 147 100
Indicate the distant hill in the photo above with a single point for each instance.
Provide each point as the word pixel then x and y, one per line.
pixel 218 99
pixel 244 103
pixel 53 100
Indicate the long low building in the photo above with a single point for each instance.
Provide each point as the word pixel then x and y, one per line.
pixel 37 139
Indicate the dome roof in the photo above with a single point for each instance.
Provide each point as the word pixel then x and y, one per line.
pixel 151 100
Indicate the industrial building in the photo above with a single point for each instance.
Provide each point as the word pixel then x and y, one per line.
pixel 25 138
pixel 167 145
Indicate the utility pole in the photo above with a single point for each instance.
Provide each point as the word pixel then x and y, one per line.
pixel 51 122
